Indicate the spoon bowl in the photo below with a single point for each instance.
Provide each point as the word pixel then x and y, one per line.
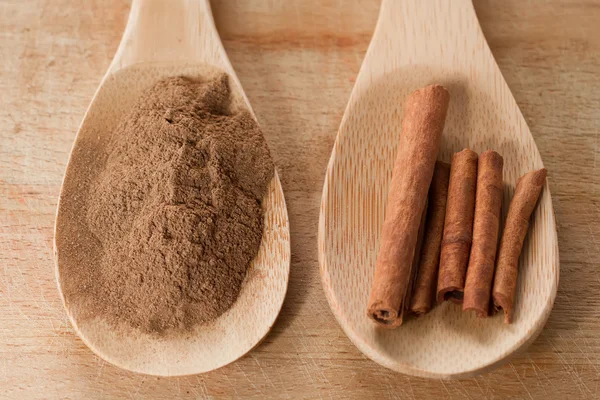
pixel 164 39
pixel 416 44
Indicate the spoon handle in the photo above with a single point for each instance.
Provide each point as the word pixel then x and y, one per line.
pixel 170 31
pixel 424 32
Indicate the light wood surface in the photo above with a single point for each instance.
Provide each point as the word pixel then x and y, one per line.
pixel 297 62
pixel 164 39
pixel 417 44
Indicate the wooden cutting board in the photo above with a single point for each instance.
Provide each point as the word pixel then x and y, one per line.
pixel 297 61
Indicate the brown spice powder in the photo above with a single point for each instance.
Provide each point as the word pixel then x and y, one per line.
pixel 177 209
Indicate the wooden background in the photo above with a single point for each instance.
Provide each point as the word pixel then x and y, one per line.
pixel 297 61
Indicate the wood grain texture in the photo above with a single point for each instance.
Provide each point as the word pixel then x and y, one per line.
pixel 415 45
pixel 297 61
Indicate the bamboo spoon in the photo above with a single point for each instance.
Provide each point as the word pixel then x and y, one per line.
pixel 166 38
pixel 417 43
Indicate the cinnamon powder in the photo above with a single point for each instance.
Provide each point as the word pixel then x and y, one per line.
pixel 177 208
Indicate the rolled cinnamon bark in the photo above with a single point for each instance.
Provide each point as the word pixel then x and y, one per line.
pixel 424 116
pixel 488 206
pixel 416 258
pixel 521 207
pixel 426 282
pixel 458 227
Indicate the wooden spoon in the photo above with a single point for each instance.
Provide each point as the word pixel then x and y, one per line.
pixel 167 38
pixel 417 43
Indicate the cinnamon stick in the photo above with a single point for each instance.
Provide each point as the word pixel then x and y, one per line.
pixel 458 227
pixel 417 257
pixel 424 116
pixel 521 207
pixel 426 282
pixel 488 206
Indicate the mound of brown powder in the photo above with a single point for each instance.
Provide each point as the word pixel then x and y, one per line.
pixel 177 209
